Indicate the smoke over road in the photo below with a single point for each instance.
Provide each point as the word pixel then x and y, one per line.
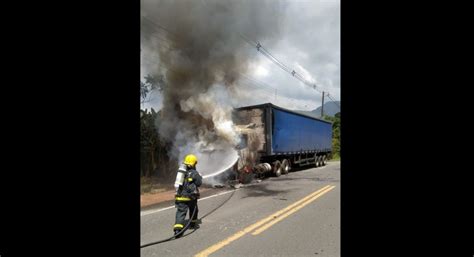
pixel 201 53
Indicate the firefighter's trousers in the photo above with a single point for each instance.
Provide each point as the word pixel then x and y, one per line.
pixel 182 208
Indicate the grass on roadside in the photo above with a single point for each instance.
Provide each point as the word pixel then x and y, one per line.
pixel 150 186
pixel 335 157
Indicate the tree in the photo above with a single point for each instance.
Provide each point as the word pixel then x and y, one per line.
pixel 336 128
pixel 153 151
pixel 148 141
pixel 150 84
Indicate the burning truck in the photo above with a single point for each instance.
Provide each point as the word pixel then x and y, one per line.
pixel 274 139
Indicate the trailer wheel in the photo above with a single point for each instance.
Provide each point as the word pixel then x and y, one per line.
pixel 277 168
pixel 323 160
pixel 285 166
pixel 316 161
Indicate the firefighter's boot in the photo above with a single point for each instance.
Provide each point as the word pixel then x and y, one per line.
pixel 176 232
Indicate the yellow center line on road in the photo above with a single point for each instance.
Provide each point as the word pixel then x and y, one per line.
pixel 271 223
pixel 250 228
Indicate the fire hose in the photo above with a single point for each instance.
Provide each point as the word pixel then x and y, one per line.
pixel 188 223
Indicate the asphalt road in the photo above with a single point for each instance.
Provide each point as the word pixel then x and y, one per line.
pixel 293 215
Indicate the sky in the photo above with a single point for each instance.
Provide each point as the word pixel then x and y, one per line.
pixel 308 42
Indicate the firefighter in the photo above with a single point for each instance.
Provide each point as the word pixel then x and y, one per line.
pixel 187 185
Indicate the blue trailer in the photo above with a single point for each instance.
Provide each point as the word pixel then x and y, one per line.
pixel 275 139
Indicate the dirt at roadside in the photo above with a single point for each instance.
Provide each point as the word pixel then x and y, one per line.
pixel 148 199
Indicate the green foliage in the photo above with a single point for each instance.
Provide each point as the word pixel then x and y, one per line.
pixel 149 141
pixel 148 132
pixel 154 160
pixel 336 128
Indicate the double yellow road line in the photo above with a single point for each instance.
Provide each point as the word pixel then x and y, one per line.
pixel 267 222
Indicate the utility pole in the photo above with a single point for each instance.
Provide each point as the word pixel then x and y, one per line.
pixel 322 107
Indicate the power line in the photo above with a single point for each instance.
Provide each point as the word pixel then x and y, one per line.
pixel 284 67
pixel 266 90
pixel 246 39
pixel 260 48
pixel 156 35
pixel 164 38
pixel 262 84
pixel 257 81
pixel 159 26
pixel 251 82
pixel 166 45
pixel 266 53
pixel 253 85
pixel 266 94
pixel 295 74
pixel 334 101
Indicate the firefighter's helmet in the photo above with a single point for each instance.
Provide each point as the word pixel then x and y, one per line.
pixel 190 160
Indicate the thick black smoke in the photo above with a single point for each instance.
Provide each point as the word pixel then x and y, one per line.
pixel 202 54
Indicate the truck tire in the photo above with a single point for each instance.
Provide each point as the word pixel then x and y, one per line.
pixel 285 166
pixel 316 161
pixel 277 168
pixel 323 160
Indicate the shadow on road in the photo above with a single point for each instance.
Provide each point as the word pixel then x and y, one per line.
pixel 262 190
